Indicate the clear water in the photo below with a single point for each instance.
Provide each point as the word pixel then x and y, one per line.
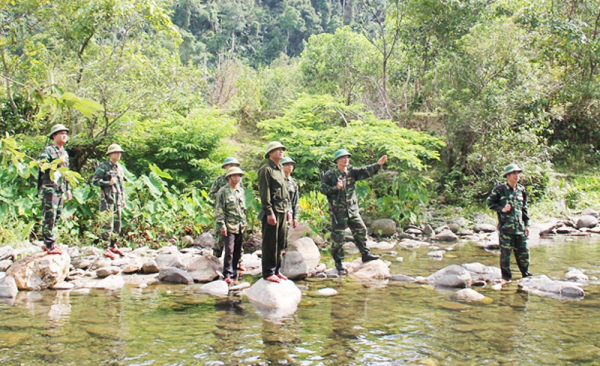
pixel 364 324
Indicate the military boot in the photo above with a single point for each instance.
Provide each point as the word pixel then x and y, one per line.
pixel 340 268
pixel 367 257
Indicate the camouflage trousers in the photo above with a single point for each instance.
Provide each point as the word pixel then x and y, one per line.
pixel 52 203
pixel 518 244
pixel 359 232
pixel 112 227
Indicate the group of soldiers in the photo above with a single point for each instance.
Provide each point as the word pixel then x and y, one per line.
pixel 279 207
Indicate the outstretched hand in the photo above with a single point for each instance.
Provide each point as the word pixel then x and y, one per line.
pixel 382 160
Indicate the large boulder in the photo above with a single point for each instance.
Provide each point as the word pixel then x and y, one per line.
pixel 204 269
pixel 451 276
pixel 544 286
pixel 301 231
pixel 251 261
pixel 169 260
pixel 588 221
pixel 294 266
pixel 205 240
pixel 309 250
pixel 175 275
pixel 383 227
pixel 266 295
pixel 150 266
pixel 8 288
pixel 372 270
pixel 40 270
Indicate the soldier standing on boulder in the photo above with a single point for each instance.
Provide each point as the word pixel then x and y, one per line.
pixel 509 200
pixel 230 212
pixel 274 214
pixel 52 191
pixel 338 184
pixel 109 177
pixel 288 167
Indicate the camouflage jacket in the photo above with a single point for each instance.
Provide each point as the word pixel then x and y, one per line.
pixel 230 210
pixel 219 183
pixel 50 153
pixel 515 220
pixel 294 206
pixel 344 201
pixel 105 171
pixel 273 189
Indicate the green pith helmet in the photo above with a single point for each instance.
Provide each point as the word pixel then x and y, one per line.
pixel 512 168
pixel 272 146
pixel 287 160
pixel 340 153
pixel 230 160
pixel 114 148
pixel 57 128
pixel 233 171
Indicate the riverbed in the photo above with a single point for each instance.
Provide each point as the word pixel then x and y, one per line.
pixel 379 323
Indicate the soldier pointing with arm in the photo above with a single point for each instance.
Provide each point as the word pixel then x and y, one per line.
pixel 109 177
pixel 338 184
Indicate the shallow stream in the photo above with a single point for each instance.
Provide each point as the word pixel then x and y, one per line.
pixel 365 324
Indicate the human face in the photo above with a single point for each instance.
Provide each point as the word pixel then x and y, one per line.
pixel 235 179
pixel 513 178
pixel 114 157
pixel 277 154
pixel 343 162
pixel 60 138
pixel 288 169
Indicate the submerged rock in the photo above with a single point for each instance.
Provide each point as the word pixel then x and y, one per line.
pixel 544 286
pixel 577 275
pixel 268 295
pixel 402 278
pixel 467 295
pixel 451 276
pixel 40 270
pixel 327 292
pixel 480 272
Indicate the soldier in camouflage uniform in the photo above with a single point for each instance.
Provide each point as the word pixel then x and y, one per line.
pixel 509 200
pixel 288 167
pixel 230 214
pixel 52 191
pixel 274 214
pixel 338 184
pixel 109 177
pixel 220 182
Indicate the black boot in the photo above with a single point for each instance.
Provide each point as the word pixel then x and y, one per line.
pixel 340 268
pixel 367 257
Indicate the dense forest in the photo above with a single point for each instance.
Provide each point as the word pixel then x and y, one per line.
pixel 451 91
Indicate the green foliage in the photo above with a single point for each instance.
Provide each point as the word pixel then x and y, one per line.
pixel 314 211
pixel 409 199
pixel 314 127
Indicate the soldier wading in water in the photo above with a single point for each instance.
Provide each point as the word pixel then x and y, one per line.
pixel 109 177
pixel 338 184
pixel 52 191
pixel 509 200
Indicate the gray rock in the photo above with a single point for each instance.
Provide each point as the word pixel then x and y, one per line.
pixel 272 296
pixel 486 228
pixel 108 271
pixel 309 251
pixel 453 227
pixel 63 286
pixel 544 286
pixel 428 230
pixel 412 244
pixel 545 228
pixel 413 231
pixel 577 275
pixel 446 236
pixel 89 251
pixel 100 262
pixel 8 287
pixel 587 221
pixel 204 269
pixel 480 272
pixel 438 254
pixel 120 261
pixel 328 291
pixel 402 278
pixel 294 266
pixel 205 240
pixel 464 232
pixel 383 227
pixel 81 262
pixel 150 266
pixel 451 276
pixel 373 270
pixel 170 249
pixel 251 261
pixel 299 232
pixel 6 252
pixel 40 270
pixel 467 295
pixel 187 241
pixel 590 212
pixel 113 282
pixel 169 260
pixel 240 287
pixel 460 221
pixel 382 245
pixel 142 251
pixel 175 275
pixel 565 230
pixel 216 288
pixel 320 242
pixel 441 228
pixel 5 265
pixel 134 265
